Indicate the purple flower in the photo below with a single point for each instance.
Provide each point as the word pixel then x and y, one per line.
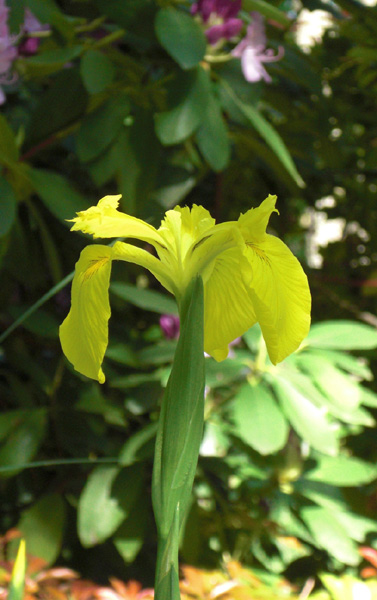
pixel 29 45
pixel 170 326
pixel 253 53
pixel 219 17
pixel 7 51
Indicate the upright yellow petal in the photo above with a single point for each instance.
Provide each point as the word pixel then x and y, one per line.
pixel 105 221
pixel 279 291
pixel 84 333
pixel 183 227
pixel 253 223
pixel 228 309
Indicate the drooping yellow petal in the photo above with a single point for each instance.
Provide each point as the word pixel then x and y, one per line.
pixel 279 291
pixel 105 221
pixel 84 333
pixel 228 310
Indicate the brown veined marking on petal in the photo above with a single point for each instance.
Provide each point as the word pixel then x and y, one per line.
pixel 199 243
pixel 258 252
pixel 94 266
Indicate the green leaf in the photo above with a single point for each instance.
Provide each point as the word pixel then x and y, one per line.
pixel 342 335
pixel 144 298
pixel 189 93
pixel 337 386
pixel 307 419
pixel 306 384
pixel 57 194
pixel 97 71
pixel 323 494
pixel 174 184
pixel 352 364
pixel 357 526
pixel 134 381
pixel 180 427
pixel 103 167
pixel 330 535
pixel 212 136
pixel 181 36
pixel 133 448
pixel 160 353
pixel 106 501
pixel 266 131
pixel 135 16
pixel 129 538
pixel 24 434
pixel 99 514
pixel 123 354
pixel 368 398
pixel 138 156
pixel 342 471
pixel 68 96
pixel 220 374
pixel 179 436
pixel 50 60
pixel 48 12
pixel 258 420
pixel 40 323
pixel 8 204
pixel 100 127
pixel 42 526
pixel 8 148
pixel 92 401
pixel 268 10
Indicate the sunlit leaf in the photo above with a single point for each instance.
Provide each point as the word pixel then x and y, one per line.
pixel 329 534
pixel 342 335
pixel 258 420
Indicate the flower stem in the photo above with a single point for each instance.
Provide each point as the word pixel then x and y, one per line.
pixel 178 441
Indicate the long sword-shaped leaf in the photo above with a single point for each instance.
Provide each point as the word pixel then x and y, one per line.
pixel 178 440
pixel 54 290
pixel 266 131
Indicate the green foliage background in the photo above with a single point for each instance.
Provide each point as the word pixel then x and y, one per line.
pixel 122 97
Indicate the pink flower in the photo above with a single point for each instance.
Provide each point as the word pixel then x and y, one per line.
pixel 7 51
pixel 253 53
pixel 29 45
pixel 170 326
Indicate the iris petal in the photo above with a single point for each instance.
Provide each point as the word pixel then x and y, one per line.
pixel 84 333
pixel 182 228
pixel 279 291
pixel 253 223
pixel 105 221
pixel 228 310
pixel 138 256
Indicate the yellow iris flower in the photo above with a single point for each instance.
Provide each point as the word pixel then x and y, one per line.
pixel 249 276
